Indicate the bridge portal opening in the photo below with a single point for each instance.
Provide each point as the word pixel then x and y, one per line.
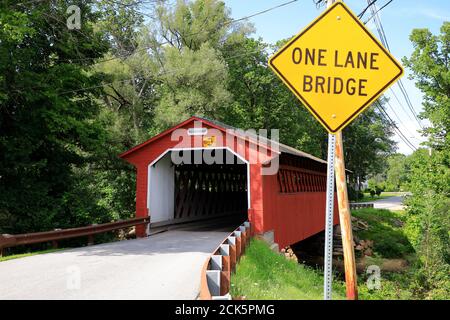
pixel 198 184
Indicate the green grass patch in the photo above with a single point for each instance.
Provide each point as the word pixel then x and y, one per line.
pixel 263 274
pixel 386 231
pixel 28 254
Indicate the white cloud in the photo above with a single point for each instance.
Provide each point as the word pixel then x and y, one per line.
pixel 430 13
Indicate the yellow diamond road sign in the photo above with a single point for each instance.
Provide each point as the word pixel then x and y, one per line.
pixel 336 67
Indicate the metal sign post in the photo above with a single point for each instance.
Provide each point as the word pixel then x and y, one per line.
pixel 329 219
pixel 337 69
pixel 328 261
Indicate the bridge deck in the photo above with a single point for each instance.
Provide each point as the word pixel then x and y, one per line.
pixel 164 266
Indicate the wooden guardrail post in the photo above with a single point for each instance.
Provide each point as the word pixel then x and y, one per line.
pixel 237 235
pixel 91 239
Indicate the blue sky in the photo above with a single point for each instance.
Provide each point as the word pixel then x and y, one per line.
pixel 398 19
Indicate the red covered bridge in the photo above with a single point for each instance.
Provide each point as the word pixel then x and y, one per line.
pixel 201 169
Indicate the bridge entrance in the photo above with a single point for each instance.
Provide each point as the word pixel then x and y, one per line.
pixel 188 185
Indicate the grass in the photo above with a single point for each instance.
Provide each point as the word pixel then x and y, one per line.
pixel 386 231
pixel 263 274
pixel 28 254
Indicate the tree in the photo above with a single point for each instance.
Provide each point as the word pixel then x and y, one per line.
pixel 48 127
pixel 429 64
pixel 187 45
pixel 396 172
pixel 262 101
pixel 429 171
pixel 130 91
pixel 193 84
pixel 367 142
pixel 190 24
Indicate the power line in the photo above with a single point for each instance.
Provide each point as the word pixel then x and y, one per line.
pixel 384 41
pixel 373 15
pixel 159 74
pixel 383 38
pixel 398 118
pixel 264 11
pixel 399 132
pixel 365 9
pixel 226 23
pixel 401 105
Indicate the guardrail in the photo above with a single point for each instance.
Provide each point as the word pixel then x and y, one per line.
pixel 7 240
pixel 216 272
pixel 355 206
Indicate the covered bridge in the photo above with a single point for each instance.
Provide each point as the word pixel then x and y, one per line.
pixel 201 169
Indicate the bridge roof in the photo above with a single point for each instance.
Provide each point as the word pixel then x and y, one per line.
pixel 258 139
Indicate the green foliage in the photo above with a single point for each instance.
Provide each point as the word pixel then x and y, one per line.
pixel 190 24
pixel 429 64
pixel 47 130
pixel 385 229
pixel 428 172
pixel 72 100
pixel 429 219
pixel 193 84
pixel 354 195
pixel 396 173
pixel 367 144
pixel 394 286
pixel 264 274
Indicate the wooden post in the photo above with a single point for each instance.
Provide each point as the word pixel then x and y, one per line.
pixel 55 242
pixel 345 221
pixel 90 240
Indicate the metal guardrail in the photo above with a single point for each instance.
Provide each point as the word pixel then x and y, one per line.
pixel 217 270
pixel 355 206
pixel 7 240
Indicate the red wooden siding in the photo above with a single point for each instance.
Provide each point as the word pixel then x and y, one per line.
pixel 291 202
pixel 297 209
pixel 141 156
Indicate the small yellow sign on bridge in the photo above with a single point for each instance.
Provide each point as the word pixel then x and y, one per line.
pixel 336 67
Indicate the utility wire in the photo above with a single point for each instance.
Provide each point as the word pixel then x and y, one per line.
pixel 383 38
pixel 383 112
pixel 401 105
pixel 399 132
pixel 159 74
pixel 380 29
pixel 398 118
pixel 365 9
pixel 146 48
pixel 226 23
pixel 263 11
pixel 373 15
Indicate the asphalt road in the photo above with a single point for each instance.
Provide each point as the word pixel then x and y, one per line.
pixel 391 203
pixel 164 266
